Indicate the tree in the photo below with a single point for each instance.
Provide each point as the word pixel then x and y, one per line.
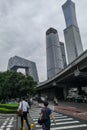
pixel 15 84
pixel 27 86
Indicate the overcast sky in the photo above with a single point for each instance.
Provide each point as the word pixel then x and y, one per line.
pixel 23 24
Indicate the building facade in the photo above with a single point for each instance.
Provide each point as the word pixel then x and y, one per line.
pixel 71 33
pixel 63 54
pixel 17 62
pixel 53 53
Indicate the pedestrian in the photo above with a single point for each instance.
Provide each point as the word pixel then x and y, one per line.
pixel 46 115
pixel 29 103
pixel 24 106
pixel 55 101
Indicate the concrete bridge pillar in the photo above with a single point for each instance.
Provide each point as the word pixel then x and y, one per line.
pixel 65 92
pixel 80 90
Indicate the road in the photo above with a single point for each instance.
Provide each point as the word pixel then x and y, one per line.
pixel 78 105
pixel 7 121
pixel 63 121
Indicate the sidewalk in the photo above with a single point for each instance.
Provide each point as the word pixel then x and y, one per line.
pixel 72 111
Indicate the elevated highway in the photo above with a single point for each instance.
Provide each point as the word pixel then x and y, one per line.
pixel 74 75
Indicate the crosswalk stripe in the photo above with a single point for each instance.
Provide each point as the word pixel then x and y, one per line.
pixel 62 123
pixel 36 117
pixel 67 127
pixel 8 128
pixel 2 119
pixel 38 112
pixel 57 114
pixel 59 120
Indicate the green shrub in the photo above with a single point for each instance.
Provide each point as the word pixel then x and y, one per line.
pixel 8 111
pixel 8 108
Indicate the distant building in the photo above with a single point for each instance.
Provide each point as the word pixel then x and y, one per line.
pixel 17 62
pixel 63 54
pixel 53 53
pixel 72 35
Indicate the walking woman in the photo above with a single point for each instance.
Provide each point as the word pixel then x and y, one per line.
pixel 47 112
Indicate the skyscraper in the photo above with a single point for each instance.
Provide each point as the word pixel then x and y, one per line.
pixel 53 52
pixel 17 62
pixel 63 54
pixel 71 33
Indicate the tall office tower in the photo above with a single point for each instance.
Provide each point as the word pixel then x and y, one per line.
pixel 71 33
pixel 53 53
pixel 63 54
pixel 17 62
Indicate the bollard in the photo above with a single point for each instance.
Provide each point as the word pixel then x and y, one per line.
pixel 24 122
pixel 31 126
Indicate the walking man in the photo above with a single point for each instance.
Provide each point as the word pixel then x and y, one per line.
pixel 24 106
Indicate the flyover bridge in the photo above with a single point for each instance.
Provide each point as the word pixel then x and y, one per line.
pixel 74 75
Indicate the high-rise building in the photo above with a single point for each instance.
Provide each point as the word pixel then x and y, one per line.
pixel 71 33
pixel 63 54
pixel 17 62
pixel 53 53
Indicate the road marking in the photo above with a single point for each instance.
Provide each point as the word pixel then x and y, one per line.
pixel 67 127
pixel 67 119
pixel 2 117
pixel 4 124
pixel 2 127
pixel 68 122
pixel 7 118
pixel 61 123
pixel 9 126
pixel 36 117
pixel 54 113
pixel 12 118
pixel 11 121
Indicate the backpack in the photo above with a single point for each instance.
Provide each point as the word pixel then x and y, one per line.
pixel 45 117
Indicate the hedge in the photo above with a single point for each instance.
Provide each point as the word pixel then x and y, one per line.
pixel 8 108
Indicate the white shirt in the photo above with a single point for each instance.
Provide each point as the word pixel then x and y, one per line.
pixel 23 105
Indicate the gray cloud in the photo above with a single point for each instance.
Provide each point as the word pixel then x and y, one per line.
pixel 23 24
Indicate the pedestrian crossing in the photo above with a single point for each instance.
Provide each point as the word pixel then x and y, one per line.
pixel 63 122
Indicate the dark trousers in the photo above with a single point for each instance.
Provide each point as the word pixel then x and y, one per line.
pixel 24 117
pixel 44 127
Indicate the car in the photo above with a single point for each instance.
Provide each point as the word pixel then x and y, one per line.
pixel 81 98
pixel 70 98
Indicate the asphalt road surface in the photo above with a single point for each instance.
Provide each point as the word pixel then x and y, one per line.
pixel 7 122
pixel 63 122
